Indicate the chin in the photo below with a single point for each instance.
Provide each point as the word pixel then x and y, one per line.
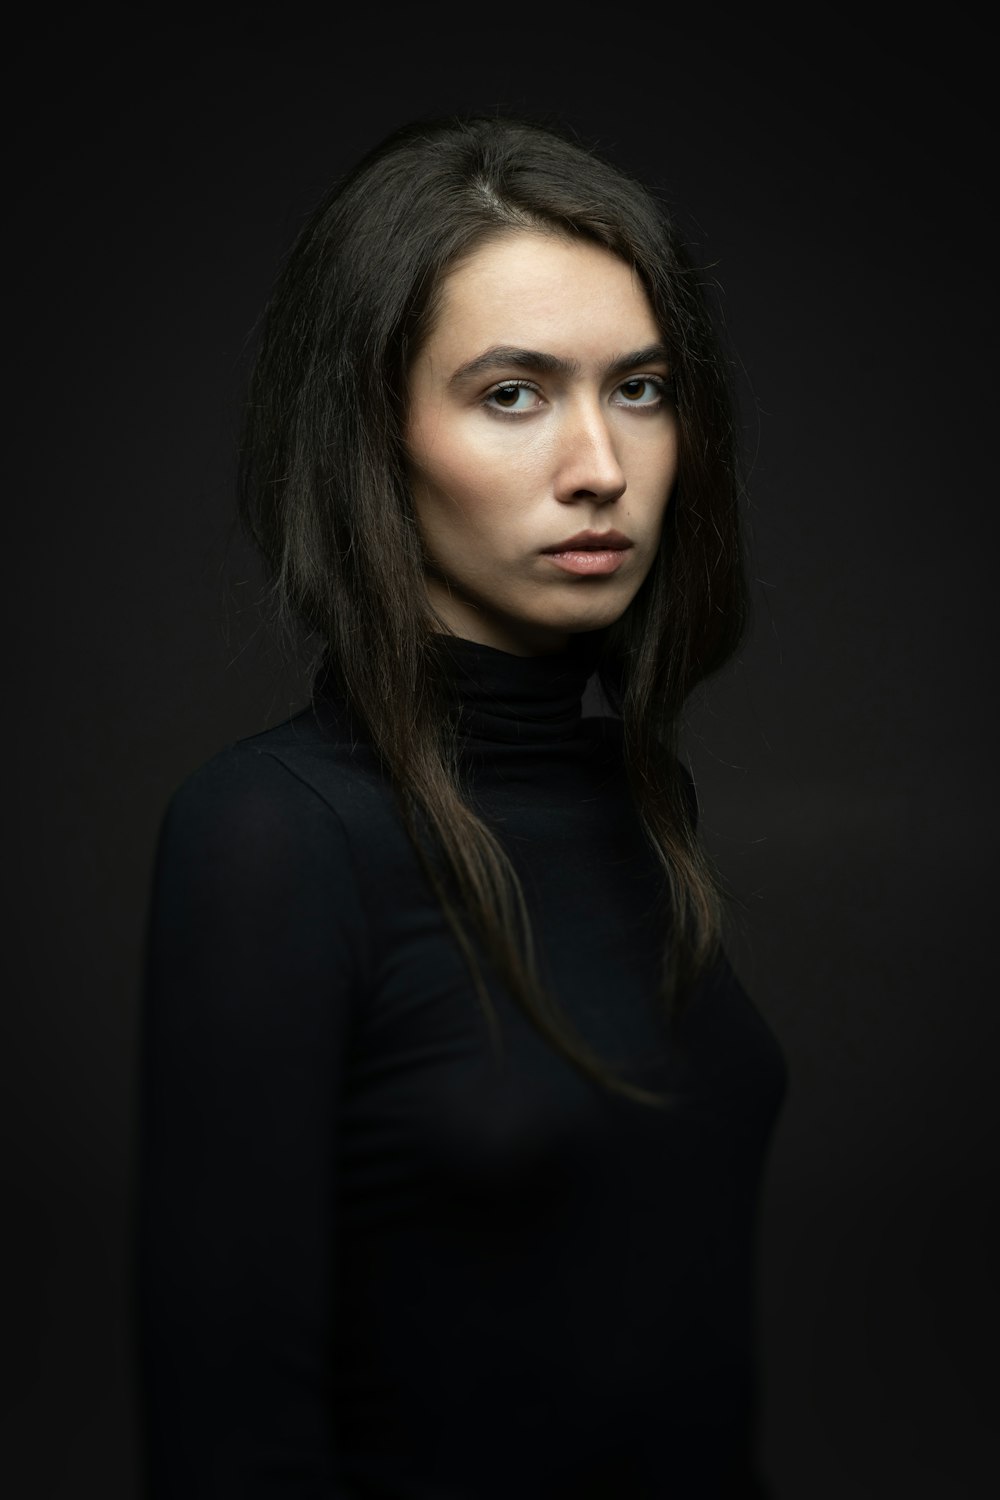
pixel 597 616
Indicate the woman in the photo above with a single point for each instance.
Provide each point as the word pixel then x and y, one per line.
pixel 454 1112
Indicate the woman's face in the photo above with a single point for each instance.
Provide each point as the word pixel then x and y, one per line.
pixel 539 409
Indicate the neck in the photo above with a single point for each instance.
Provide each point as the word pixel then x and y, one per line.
pixel 469 623
pixel 503 696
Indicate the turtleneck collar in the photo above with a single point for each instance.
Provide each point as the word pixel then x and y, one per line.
pixel 500 698
pixel 517 699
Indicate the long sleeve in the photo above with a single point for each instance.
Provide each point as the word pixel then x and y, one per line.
pixel 254 958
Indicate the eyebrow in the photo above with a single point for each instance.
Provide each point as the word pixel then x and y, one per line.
pixel 507 357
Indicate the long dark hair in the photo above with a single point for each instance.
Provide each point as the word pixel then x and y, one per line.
pixel 323 494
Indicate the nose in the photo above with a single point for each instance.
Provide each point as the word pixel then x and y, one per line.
pixel 589 467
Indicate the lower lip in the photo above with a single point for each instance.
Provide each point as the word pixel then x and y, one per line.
pixel 588 562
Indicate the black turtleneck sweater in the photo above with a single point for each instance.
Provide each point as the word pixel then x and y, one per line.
pixel 373 1264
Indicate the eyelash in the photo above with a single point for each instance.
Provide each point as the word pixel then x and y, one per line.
pixel 664 385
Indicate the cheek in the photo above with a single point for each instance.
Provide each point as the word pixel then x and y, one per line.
pixel 451 502
pixel 658 470
pixel 465 477
pixel 439 462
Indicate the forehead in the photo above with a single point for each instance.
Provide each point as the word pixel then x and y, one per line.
pixel 570 298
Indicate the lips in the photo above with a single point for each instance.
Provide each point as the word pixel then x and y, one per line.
pixel 592 541
pixel 590 554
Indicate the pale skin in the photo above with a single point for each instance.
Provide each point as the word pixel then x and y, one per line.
pixel 564 425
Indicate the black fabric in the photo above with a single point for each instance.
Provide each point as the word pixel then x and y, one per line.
pixel 373 1259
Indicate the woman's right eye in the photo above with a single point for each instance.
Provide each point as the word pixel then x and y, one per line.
pixel 507 397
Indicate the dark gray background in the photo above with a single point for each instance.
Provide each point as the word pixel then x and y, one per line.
pixel 834 181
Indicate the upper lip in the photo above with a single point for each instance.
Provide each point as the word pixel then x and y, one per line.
pixel 592 541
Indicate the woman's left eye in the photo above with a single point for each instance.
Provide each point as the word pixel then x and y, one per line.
pixel 642 390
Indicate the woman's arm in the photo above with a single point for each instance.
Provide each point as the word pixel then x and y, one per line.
pixel 253 961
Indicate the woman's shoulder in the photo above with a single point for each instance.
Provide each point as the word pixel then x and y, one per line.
pixel 254 889
pixel 294 784
pixel 307 758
